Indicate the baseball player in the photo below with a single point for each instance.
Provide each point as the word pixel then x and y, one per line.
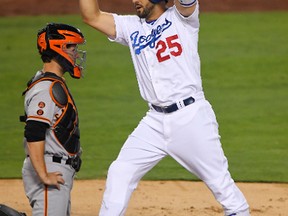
pixel 52 136
pixel 180 123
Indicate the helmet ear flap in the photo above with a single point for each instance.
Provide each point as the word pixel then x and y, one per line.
pixel 44 46
pixel 42 42
pixel 43 39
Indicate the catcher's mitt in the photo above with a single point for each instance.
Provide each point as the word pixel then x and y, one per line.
pixel 8 211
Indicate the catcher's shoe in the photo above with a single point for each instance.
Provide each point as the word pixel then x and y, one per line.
pixel 8 211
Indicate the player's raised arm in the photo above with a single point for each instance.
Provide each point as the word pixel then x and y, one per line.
pixel 185 7
pixel 93 16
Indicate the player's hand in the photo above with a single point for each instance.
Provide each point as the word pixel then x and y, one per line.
pixel 53 178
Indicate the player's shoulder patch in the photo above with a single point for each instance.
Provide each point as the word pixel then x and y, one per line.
pixel 59 94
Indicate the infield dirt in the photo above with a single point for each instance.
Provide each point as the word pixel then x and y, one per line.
pixel 159 198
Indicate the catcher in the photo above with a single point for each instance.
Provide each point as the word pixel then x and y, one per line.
pixel 51 135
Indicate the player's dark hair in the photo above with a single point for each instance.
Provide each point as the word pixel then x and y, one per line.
pixel 46 58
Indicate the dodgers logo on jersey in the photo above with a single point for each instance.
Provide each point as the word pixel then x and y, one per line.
pixel 139 42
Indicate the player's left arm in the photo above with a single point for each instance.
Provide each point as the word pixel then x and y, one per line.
pixel 185 7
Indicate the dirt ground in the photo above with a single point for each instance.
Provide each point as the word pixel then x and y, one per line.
pixel 152 198
pixel 159 198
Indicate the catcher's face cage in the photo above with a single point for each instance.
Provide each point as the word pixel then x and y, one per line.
pixel 78 56
pixel 55 38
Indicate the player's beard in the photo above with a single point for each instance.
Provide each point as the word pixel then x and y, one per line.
pixel 145 11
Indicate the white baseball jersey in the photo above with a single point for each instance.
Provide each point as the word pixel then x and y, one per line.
pixel 167 64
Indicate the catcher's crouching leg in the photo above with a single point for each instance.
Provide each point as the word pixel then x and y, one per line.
pixel 8 211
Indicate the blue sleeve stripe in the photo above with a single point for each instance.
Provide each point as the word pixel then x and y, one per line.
pixel 189 4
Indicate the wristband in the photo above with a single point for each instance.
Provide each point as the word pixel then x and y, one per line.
pixel 187 3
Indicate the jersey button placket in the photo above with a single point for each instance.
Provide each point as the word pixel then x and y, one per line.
pixel 152 69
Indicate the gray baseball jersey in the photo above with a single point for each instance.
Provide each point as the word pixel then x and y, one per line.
pixel 41 105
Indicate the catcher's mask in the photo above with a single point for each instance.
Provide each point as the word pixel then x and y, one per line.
pixel 54 40
pixel 157 1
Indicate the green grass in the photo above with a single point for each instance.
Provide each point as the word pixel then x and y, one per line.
pixel 245 77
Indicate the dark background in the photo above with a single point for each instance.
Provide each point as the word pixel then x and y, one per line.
pixel 41 7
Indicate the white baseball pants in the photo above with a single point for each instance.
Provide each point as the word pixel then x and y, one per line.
pixel 190 136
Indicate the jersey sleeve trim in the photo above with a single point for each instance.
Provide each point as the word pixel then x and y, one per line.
pixel 38 118
pixel 121 28
pixel 192 16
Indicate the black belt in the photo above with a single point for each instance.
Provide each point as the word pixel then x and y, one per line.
pixel 57 159
pixel 73 162
pixel 173 107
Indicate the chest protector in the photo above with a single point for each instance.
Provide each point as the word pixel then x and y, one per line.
pixel 66 127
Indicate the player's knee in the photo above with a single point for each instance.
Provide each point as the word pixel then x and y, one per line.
pixel 119 168
pixel 124 172
pixel 122 180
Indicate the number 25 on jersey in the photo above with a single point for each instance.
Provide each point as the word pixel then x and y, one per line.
pixel 169 47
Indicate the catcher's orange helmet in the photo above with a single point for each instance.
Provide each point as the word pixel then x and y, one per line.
pixel 52 41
